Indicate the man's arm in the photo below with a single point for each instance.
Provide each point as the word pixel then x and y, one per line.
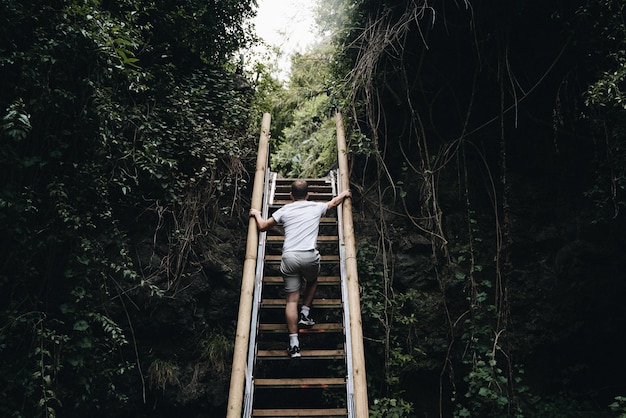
pixel 263 224
pixel 337 200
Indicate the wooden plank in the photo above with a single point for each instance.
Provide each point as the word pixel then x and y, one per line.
pixel 317 196
pixel 328 412
pixel 288 181
pixel 313 189
pixel 301 382
pixel 323 182
pixel 320 238
pixel 317 328
pixel 324 221
pixel 313 185
pixel 311 182
pixel 283 201
pixel 323 259
pixel 314 196
pixel 321 280
pixel 316 354
pixel 317 303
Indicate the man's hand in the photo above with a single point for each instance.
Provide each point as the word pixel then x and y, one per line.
pixel 337 200
pixel 263 224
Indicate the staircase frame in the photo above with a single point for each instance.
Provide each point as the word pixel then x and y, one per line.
pixel 241 394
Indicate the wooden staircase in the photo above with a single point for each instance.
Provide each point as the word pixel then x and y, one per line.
pixel 329 379
pixel 315 384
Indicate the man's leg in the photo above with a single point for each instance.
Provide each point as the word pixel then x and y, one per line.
pixel 293 283
pixel 291 317
pixel 291 311
pixel 309 293
pixel 310 273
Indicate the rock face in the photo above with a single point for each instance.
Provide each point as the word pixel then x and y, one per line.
pixel 546 271
pixel 184 324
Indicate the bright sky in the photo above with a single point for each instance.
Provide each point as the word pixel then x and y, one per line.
pixel 287 24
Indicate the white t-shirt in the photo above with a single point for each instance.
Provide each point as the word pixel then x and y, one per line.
pixel 301 221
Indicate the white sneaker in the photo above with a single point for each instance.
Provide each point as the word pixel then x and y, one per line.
pixel 306 320
pixel 294 352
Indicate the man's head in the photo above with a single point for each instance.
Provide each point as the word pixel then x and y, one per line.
pixel 299 190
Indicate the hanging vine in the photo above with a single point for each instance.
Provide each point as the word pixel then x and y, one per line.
pixel 384 64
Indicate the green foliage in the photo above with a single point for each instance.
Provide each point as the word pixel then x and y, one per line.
pixel 188 33
pixel 603 17
pixel 162 373
pixel 390 408
pixel 487 393
pixel 307 147
pixel 491 387
pixel 562 405
pixel 217 349
pixel 390 323
pixel 16 122
pixel 303 124
pixel 606 104
pixel 619 406
pixel 124 124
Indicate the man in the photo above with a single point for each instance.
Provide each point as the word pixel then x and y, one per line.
pixel 300 259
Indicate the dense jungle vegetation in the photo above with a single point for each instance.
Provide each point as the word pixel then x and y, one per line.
pixel 488 155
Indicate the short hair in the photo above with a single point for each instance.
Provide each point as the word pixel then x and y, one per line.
pixel 299 189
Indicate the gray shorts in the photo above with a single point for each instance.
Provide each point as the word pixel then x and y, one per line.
pixel 298 265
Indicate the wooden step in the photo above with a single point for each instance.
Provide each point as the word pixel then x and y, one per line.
pixel 283 202
pixel 301 382
pixel 317 328
pixel 324 259
pixel 313 184
pixel 313 354
pixel 313 188
pixel 328 221
pixel 328 412
pixel 310 182
pixel 324 239
pixel 317 303
pixel 321 280
pixel 324 221
pixel 323 196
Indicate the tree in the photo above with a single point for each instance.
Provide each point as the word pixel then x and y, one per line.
pixel 307 145
pixel 126 138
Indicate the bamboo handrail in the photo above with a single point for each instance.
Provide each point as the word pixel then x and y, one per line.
pixel 237 379
pixel 356 332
